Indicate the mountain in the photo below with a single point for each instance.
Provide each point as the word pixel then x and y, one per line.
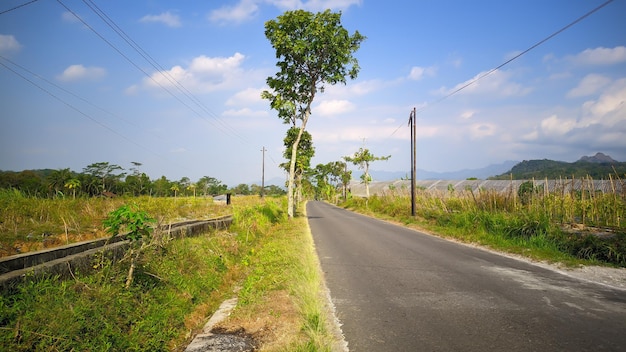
pixel 599 166
pixel 599 158
pixel 480 173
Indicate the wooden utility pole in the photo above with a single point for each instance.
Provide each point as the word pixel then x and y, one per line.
pixel 413 124
pixel 263 174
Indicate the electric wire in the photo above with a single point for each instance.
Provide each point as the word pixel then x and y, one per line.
pixel 72 107
pixel 159 68
pixel 59 99
pixel 67 91
pixel 137 66
pixel 18 6
pixel 485 74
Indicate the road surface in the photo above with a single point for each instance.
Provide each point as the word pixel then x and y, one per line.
pixel 395 289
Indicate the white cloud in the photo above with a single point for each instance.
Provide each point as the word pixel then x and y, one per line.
pixel 167 18
pixel 609 109
pixel 204 74
pixel 466 115
pixel 8 43
pixel 314 5
pixel 589 85
pixel 418 72
pixel 601 56
pixel 601 123
pixel 243 11
pixel 245 97
pixel 69 17
pixel 498 83
pixel 481 130
pixel 80 72
pixel 333 107
pixel 554 126
pixel 246 113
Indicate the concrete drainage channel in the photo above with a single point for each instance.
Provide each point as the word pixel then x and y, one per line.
pixel 64 260
pixel 210 340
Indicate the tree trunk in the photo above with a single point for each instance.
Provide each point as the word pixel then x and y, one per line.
pixel 291 204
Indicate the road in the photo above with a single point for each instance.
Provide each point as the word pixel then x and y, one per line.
pixel 396 289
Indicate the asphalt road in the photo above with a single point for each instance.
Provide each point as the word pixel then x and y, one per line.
pixel 395 289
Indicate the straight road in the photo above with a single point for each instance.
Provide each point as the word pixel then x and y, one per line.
pixel 395 289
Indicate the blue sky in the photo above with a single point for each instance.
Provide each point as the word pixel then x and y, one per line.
pixel 84 95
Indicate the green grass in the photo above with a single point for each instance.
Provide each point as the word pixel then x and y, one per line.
pixel 30 223
pixel 533 228
pixel 267 260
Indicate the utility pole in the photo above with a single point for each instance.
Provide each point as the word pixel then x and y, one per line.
pixel 263 174
pixel 413 124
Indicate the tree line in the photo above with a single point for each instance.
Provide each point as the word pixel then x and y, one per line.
pixel 107 179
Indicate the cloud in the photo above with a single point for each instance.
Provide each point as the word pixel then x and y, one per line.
pixel 8 44
pixel 69 17
pixel 553 126
pixel 204 74
pixel 498 83
pixel 246 113
pixel 600 56
pixel 245 97
pixel 609 109
pixel 243 11
pixel 481 130
pixel 333 107
pixel 314 5
pixel 167 18
pixel 589 85
pixel 80 72
pixel 418 72
pixel 601 123
pixel 466 115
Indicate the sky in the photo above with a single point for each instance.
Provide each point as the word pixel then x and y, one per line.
pixel 176 85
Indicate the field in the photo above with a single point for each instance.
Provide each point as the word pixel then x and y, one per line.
pixel 30 223
pixel 559 226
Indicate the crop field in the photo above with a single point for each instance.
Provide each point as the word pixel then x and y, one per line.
pixel 585 222
pixel 30 223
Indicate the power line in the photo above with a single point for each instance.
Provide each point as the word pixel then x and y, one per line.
pixel 133 44
pixel 71 106
pixel 17 7
pixel 473 81
pixel 136 65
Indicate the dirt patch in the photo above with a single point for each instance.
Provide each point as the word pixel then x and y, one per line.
pixel 272 324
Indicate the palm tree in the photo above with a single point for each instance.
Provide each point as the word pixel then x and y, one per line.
pixel 72 184
pixel 175 188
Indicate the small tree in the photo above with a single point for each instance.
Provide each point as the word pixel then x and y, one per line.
pixel 137 223
pixel 363 158
pixel 312 50
pixel 73 184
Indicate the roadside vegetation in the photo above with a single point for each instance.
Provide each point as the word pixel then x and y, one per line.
pixel 573 228
pixel 177 284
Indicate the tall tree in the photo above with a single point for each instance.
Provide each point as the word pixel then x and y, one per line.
pixel 105 172
pixel 58 178
pixel 363 158
pixel 312 50
pixel 305 152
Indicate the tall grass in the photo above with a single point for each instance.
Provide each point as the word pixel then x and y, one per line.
pixel 584 223
pixel 268 261
pixel 30 223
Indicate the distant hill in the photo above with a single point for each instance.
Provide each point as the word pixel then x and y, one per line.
pixel 599 166
pixel 480 173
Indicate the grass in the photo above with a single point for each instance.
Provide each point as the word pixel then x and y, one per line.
pixel 282 300
pixel 265 259
pixel 28 223
pixel 533 226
